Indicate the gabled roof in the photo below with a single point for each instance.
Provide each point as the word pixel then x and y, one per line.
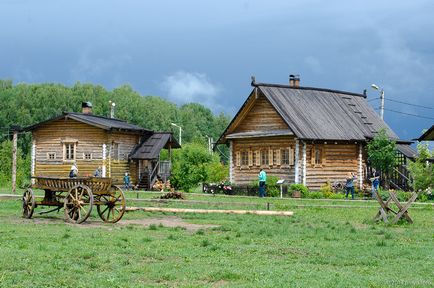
pixel 428 135
pixel 320 114
pixel 407 150
pixel 93 120
pixel 151 147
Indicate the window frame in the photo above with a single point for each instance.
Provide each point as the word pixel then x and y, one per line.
pixel 67 151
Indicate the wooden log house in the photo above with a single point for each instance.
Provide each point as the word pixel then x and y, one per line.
pixel 94 141
pixel 302 134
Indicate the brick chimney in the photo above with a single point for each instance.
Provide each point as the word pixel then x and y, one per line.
pixel 86 107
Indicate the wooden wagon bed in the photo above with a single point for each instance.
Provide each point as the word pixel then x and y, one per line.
pixel 77 196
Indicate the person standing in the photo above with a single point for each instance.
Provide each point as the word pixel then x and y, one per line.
pixel 98 172
pixel 375 183
pixel 127 181
pixel 262 179
pixel 74 170
pixel 349 186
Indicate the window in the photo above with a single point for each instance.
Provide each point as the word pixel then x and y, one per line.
pixel 115 148
pixel 264 157
pixel 284 154
pixel 317 155
pixel 244 158
pixel 254 161
pixel 69 151
pixel 87 156
pixel 51 156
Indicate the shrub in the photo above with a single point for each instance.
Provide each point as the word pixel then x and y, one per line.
pixel 299 187
pixel 327 189
pixel 315 195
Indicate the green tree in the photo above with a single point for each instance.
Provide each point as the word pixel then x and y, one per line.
pixel 421 170
pixel 194 164
pixel 382 154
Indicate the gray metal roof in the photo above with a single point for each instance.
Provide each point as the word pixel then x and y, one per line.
pixel 94 120
pixel 407 150
pixel 320 114
pixel 428 135
pixel 325 114
pixel 151 147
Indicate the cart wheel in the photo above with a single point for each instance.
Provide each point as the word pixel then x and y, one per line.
pixel 114 206
pixel 28 203
pixel 78 204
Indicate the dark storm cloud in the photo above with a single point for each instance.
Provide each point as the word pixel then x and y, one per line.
pixel 206 52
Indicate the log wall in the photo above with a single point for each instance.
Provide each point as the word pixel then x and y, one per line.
pixel 50 138
pixel 245 174
pixel 337 160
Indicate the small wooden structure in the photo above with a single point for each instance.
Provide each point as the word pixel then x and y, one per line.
pixel 302 134
pixel 77 196
pixel 93 141
pixel 385 210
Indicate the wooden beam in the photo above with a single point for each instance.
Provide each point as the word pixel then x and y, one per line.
pixel 304 163
pixel 33 159
pixel 296 164
pixel 206 211
pixel 14 161
pixel 231 162
pixel 360 168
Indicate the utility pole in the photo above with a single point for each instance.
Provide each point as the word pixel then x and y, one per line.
pixel 381 99
pixel 15 130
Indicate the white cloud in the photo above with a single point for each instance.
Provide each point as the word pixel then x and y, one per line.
pixel 185 87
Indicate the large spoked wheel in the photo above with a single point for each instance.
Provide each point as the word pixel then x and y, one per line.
pixel 78 204
pixel 112 207
pixel 29 203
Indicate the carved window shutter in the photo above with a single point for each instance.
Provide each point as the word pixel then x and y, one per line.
pixel 270 156
pixel 312 155
pixel 291 156
pixel 278 161
pixel 237 158
pixel 250 158
pixel 258 158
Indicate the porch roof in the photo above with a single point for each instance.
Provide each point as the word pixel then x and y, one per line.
pixel 151 147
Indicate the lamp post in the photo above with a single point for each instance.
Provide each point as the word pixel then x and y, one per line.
pixel 381 100
pixel 180 131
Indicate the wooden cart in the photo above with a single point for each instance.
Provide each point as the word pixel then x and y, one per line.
pixel 77 196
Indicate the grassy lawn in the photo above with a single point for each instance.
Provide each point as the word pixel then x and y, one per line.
pixel 317 247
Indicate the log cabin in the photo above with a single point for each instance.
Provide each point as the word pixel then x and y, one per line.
pixel 303 135
pixel 93 141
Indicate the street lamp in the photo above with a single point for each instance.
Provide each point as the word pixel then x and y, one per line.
pixel 180 131
pixel 381 99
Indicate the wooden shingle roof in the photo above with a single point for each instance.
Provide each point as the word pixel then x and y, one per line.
pixel 151 147
pixel 321 114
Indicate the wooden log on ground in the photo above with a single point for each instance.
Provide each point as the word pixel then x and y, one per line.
pixel 207 211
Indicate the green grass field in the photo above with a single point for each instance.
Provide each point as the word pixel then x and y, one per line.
pixel 327 243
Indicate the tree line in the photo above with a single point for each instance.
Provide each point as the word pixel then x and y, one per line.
pixel 26 104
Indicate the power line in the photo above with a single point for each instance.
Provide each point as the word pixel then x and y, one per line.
pixel 415 115
pixel 397 101
pixel 373 99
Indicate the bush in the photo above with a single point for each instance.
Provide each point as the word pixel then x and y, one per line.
pixel 327 190
pixel 315 195
pixel 337 196
pixel 299 187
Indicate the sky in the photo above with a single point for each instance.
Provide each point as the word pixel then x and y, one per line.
pixel 206 51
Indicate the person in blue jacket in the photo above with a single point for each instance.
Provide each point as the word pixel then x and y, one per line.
pixel 262 179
